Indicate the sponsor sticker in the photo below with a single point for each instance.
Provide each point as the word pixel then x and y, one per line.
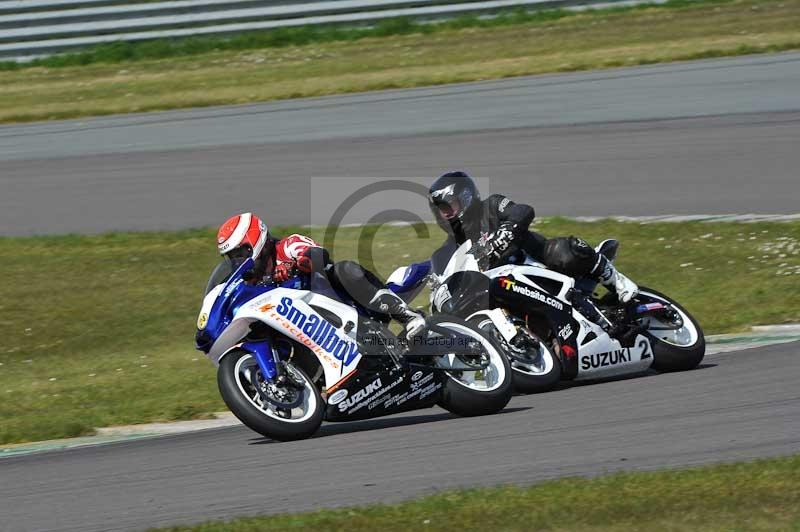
pixel 566 331
pixel 531 293
pixel 420 383
pixel 416 376
pixel 602 360
pixel 202 321
pixel 337 397
pixel 648 307
pixel 360 395
pixel 232 287
pixel 318 331
pixel 441 296
pixel 421 389
pixel 381 398
pixel 614 358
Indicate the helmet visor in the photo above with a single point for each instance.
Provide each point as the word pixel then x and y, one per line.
pixel 448 210
pixel 238 255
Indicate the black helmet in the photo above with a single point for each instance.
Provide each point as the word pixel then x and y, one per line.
pixel 452 197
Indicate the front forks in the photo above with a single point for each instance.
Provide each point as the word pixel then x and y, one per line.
pixel 266 356
pixel 502 322
pixel 274 373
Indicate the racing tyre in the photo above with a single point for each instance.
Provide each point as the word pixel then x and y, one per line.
pixel 537 370
pixel 291 411
pixel 673 349
pixel 475 393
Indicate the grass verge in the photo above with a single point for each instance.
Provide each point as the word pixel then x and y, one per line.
pixel 397 54
pixel 126 51
pixel 761 495
pixel 98 330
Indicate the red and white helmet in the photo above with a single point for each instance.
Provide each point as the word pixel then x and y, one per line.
pixel 243 230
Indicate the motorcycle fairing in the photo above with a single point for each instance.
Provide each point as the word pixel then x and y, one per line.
pixel 226 321
pixel 408 281
pixel 535 273
pixel 372 394
pixel 533 299
pixel 216 312
pixel 605 357
pixel 291 313
pixel 463 293
pixel 586 350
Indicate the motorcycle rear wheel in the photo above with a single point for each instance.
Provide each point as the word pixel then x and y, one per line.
pixel 678 350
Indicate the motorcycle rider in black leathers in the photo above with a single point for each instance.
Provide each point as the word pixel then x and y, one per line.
pixel 500 226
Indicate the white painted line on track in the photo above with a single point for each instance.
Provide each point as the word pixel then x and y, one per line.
pixel 716 349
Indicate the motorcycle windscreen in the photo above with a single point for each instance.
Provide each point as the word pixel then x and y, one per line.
pixel 442 256
pixel 221 273
pixel 469 292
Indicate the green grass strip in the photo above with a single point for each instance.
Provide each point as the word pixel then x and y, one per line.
pixel 98 330
pixel 760 495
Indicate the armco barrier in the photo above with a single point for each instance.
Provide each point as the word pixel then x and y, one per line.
pixel 34 28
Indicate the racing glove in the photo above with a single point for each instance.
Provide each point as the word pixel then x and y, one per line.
pixel 502 240
pixel 283 271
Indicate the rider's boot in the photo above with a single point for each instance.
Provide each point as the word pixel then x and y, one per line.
pixel 615 281
pixel 387 302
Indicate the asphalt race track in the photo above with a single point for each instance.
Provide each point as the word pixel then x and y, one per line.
pixel 735 406
pixel 717 136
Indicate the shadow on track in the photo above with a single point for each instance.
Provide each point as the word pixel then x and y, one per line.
pixel 350 427
pixel 566 385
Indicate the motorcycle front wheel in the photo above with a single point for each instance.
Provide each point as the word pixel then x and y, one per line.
pixel 290 410
pixel 479 392
pixel 537 370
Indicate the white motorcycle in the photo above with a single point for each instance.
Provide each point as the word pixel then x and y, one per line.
pixel 291 355
pixel 540 318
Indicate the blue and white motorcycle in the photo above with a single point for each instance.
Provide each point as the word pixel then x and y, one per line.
pixel 293 355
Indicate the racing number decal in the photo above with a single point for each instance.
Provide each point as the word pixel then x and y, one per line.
pixel 644 345
pixel 618 356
